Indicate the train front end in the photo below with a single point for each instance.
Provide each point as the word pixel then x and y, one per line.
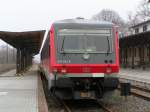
pixel 84 58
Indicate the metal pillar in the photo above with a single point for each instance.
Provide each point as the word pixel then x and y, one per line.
pixel 18 61
pixel 140 55
pixel 21 61
pixel 125 57
pixel 30 60
pixel 133 52
pixel 149 53
pixel 25 60
pixel 143 56
pixel 120 56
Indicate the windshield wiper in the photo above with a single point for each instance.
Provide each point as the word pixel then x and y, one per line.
pixel 62 47
pixel 108 50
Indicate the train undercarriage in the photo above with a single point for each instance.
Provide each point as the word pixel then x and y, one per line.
pixel 81 87
pixel 85 88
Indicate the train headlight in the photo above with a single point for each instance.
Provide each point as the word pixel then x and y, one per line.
pixel 63 71
pixel 108 70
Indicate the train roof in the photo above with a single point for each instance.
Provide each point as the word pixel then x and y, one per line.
pixel 83 22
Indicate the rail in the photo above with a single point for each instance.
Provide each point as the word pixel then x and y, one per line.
pixel 101 107
pixel 139 88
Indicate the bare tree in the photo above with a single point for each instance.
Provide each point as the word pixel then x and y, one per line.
pixel 143 11
pixel 132 19
pixel 109 15
pixel 112 16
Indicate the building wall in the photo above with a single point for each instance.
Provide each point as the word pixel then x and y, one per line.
pixel 135 56
pixel 149 27
pixel 132 55
pixel 141 28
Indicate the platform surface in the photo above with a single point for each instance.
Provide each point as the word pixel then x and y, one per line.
pixel 19 94
pixel 135 74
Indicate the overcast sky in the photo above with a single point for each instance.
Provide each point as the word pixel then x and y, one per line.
pixel 27 15
pixel 23 15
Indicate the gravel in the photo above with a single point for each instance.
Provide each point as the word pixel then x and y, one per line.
pixel 112 100
pixel 118 103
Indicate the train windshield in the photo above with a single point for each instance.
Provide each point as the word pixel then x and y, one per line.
pixel 85 41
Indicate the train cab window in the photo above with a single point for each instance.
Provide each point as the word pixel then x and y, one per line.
pixel 89 41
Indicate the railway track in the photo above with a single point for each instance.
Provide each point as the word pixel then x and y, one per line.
pixel 98 108
pixel 104 107
pixel 72 105
pixel 140 92
pixel 137 83
pixel 139 89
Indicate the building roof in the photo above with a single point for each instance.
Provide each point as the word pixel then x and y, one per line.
pixel 142 23
pixel 30 40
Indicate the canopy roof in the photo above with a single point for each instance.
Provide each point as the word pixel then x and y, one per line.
pixel 30 40
pixel 139 39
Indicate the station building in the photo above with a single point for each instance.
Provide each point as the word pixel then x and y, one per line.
pixel 135 48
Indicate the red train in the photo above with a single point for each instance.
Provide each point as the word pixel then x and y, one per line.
pixel 80 58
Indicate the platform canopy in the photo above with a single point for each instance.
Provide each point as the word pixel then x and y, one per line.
pixel 30 40
pixel 139 39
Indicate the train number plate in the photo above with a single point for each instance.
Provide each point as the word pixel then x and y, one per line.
pixel 84 94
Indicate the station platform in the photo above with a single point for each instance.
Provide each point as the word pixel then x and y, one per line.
pixel 21 93
pixel 135 74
